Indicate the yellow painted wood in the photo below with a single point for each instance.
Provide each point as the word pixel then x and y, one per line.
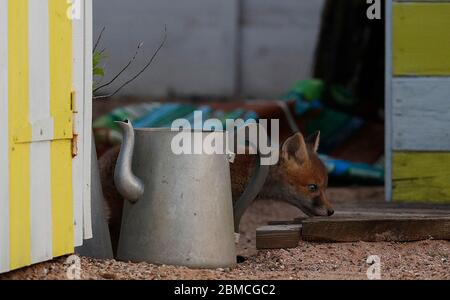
pixel 421 177
pixel 61 152
pixel 63 125
pixel 421 38
pixel 19 154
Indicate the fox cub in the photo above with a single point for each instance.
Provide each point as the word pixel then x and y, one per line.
pixel 299 177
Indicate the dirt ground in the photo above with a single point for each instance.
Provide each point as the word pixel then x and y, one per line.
pixel 419 260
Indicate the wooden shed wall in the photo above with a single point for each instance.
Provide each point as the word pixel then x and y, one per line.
pixel 44 116
pixel 418 101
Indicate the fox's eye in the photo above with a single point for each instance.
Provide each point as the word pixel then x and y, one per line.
pixel 312 188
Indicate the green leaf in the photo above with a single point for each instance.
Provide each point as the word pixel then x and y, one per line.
pixel 97 58
pixel 98 72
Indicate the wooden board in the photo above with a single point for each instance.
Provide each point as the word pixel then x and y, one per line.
pixel 37 202
pixel 19 154
pixel 293 222
pixel 61 76
pixel 421 177
pixel 278 236
pixel 421 114
pixel 4 139
pixel 82 87
pixel 376 229
pixel 421 38
pixel 39 102
pixel 87 119
pixel 78 90
pixel 362 220
pixel 388 102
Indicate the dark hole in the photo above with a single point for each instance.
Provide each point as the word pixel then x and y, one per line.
pixel 240 259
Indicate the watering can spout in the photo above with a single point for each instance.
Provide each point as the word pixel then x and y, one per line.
pixel 127 184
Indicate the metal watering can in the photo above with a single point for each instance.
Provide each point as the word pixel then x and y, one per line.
pixel 179 209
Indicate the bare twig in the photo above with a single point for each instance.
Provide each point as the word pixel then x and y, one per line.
pixel 140 72
pixel 121 72
pixel 99 39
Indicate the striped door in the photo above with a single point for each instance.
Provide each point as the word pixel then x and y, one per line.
pixel 418 101
pixel 44 129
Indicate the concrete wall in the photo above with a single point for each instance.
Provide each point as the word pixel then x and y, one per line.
pixel 215 48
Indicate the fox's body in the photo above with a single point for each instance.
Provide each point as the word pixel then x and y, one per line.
pixel 299 178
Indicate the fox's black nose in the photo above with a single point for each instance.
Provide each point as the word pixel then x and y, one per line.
pixel 330 212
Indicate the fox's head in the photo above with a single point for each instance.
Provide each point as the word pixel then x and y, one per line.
pixel 302 176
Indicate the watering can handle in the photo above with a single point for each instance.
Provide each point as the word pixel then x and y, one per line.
pixel 255 185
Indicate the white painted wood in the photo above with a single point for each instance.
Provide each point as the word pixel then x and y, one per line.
pixel 388 103
pixel 421 114
pixel 87 119
pixel 39 110
pixel 77 162
pixel 42 130
pixel 4 143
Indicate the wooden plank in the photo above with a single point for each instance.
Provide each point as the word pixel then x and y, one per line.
pixel 388 102
pixel 291 222
pixel 421 40
pixel 39 74
pixel 19 154
pixel 4 140
pixel 78 88
pixel 376 229
pixel 87 120
pixel 392 212
pixel 278 236
pixel 371 221
pixel 421 177
pixel 61 150
pixel 421 112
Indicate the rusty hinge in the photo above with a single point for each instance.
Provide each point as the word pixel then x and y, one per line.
pixel 74 145
pixel 73 108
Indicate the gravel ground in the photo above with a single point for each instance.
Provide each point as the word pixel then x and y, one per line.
pixel 419 260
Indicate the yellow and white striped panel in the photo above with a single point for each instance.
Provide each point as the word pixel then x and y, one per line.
pixel 43 93
pixel 417 101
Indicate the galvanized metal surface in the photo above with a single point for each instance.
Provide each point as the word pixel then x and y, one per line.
pixel 128 185
pixel 185 215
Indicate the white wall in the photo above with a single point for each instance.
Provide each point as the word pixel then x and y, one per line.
pixel 214 47
pixel 279 40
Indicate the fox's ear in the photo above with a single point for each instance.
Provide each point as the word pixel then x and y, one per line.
pixel 295 149
pixel 313 140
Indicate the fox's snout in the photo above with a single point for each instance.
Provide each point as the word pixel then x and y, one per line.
pixel 322 206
